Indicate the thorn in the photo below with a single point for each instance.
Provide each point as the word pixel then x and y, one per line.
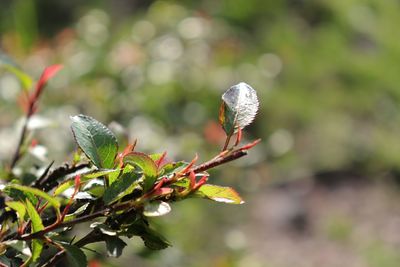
pixel 250 145
pixel 188 167
pixel 160 184
pixel 192 179
pixel 201 182
pixel 161 159
pixel 163 191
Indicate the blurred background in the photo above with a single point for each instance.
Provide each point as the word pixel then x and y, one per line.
pixel 322 189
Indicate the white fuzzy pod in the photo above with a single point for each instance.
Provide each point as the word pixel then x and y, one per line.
pixel 243 101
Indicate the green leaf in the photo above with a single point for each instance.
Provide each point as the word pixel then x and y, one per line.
pixel 19 207
pixel 18 194
pixel 23 78
pixel 238 108
pixel 219 194
pixel 114 245
pixel 185 183
pixel 52 201
pixel 75 256
pixel 125 185
pixel 14 261
pixel 79 211
pixel 96 140
pixel 146 164
pixel 37 225
pixel 95 187
pixel 8 64
pixel 156 208
pixel 63 186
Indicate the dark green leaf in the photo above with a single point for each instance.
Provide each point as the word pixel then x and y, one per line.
pixel 96 140
pixel 12 262
pixel 19 245
pixel 114 245
pixel 219 194
pixel 154 240
pixel 75 256
pixel 125 184
pixel 151 238
pixel 227 118
pixel 146 164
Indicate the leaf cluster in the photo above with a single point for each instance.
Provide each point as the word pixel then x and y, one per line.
pixel 118 188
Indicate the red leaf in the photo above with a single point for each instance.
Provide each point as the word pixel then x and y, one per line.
pixel 47 74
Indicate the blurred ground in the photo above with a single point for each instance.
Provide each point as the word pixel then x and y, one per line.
pixel 322 187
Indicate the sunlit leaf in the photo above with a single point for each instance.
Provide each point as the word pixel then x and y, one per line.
pixel 219 194
pixel 156 208
pixel 77 212
pixel 19 207
pixel 95 187
pixel 105 229
pixel 96 140
pixel 37 225
pixel 84 178
pixel 146 164
pixel 238 108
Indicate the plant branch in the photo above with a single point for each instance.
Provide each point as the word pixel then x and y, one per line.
pixel 17 154
pixel 92 237
pixel 49 181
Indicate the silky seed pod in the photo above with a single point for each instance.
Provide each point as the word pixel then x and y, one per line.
pixel 238 108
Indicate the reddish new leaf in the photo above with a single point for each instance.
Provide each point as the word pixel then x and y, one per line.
pixel 47 74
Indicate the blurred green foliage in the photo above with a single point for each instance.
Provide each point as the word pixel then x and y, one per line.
pixel 326 73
